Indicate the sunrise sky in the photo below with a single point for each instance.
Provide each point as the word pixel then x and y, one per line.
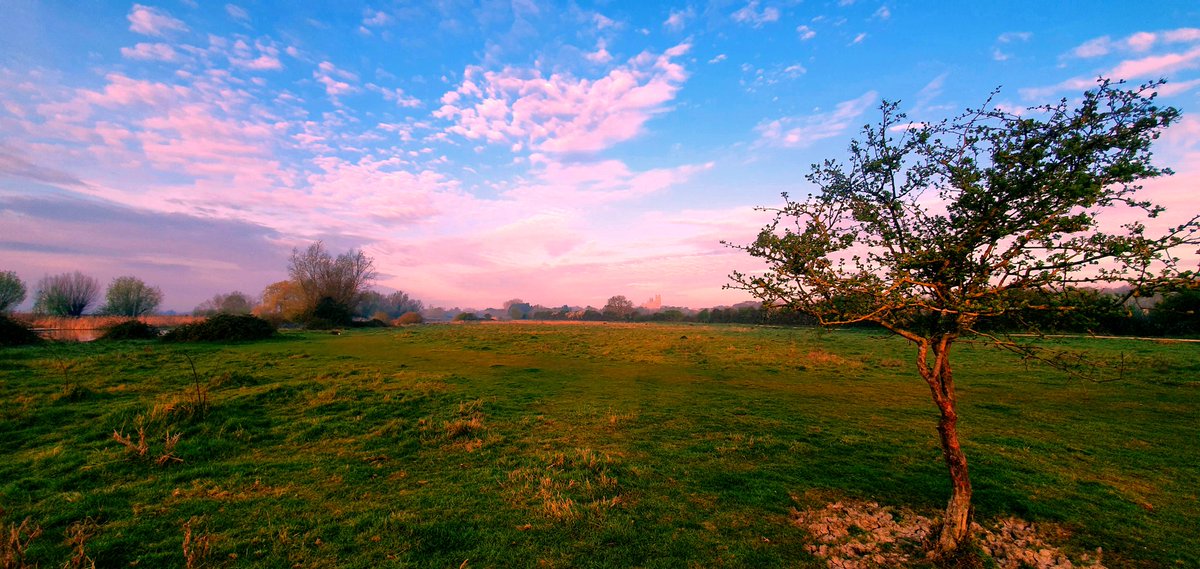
pixel 557 152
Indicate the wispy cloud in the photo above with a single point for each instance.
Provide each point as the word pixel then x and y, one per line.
pixel 1149 67
pixel 806 33
pixel 238 13
pixel 151 21
pixel 678 19
pixel 803 132
pixel 150 52
pixel 752 16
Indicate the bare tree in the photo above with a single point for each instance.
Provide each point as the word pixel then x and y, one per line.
pixel 334 284
pixel 932 229
pixel 12 291
pixel 68 294
pixel 129 296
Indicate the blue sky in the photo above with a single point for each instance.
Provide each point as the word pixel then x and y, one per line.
pixel 557 152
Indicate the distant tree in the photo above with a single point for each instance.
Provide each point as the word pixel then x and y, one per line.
pixel 12 291
pixel 369 302
pixel 129 296
pixel 399 303
pixel 235 302
pixel 618 308
pixel 68 294
pixel 338 281
pixel 465 317
pixel 930 227
pixel 281 302
pixel 517 309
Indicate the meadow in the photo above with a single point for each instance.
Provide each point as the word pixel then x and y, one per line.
pixel 571 445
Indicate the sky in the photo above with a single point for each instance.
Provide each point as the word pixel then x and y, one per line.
pixel 560 153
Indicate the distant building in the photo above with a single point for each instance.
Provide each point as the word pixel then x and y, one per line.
pixel 654 303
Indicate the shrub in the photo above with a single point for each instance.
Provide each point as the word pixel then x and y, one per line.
pixel 372 323
pixel 130 330
pixel 223 328
pixel 409 318
pixel 16 333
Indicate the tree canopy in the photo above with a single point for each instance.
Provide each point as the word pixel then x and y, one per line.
pixel 129 296
pixel 929 229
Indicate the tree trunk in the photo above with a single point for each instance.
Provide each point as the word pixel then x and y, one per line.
pixel 956 526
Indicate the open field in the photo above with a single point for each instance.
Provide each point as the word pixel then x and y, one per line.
pixel 540 445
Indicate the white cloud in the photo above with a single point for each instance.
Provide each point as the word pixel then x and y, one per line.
pixel 883 13
pixel 719 58
pixel 806 33
pixel 859 38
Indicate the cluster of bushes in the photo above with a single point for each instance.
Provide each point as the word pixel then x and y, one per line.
pixel 130 330
pixel 223 328
pixel 16 333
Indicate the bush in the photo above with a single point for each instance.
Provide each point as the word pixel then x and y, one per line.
pixel 223 328
pixel 409 318
pixel 16 333
pixel 465 317
pixel 130 330
pixel 372 323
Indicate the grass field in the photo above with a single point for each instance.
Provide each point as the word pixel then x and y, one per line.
pixel 540 445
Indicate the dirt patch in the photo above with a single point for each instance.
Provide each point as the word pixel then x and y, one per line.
pixel 860 535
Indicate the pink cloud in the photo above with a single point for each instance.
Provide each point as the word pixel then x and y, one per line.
pixel 562 113
pixel 803 132
pixel 150 21
pixel 592 183
pixel 678 18
pixel 1156 64
pixel 149 52
pixel 1138 42
pixel 601 54
pixel 335 80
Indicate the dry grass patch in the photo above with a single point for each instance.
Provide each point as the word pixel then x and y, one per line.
pixel 861 535
pixel 15 542
pixel 569 486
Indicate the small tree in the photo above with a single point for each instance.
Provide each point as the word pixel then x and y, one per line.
pixel 618 308
pixel 929 229
pixel 12 291
pixel 129 296
pixel 335 284
pixel 68 294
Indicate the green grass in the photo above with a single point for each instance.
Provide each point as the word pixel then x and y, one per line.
pixel 576 446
